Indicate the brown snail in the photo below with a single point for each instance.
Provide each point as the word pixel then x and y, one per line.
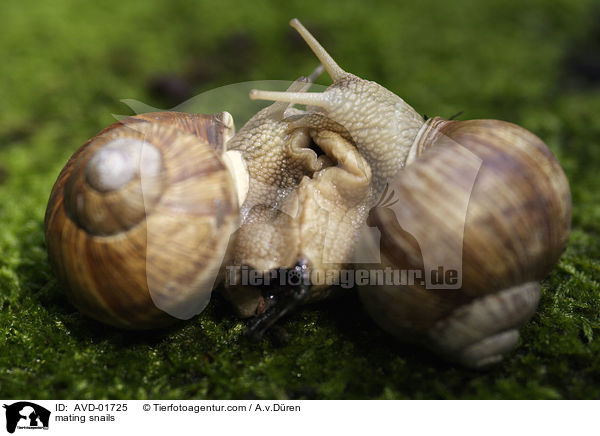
pixel 139 220
pixel 485 197
pixel 487 200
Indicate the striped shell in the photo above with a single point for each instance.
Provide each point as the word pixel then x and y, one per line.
pixel 139 220
pixel 490 201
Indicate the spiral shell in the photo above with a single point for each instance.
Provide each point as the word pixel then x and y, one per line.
pixel 139 220
pixel 488 199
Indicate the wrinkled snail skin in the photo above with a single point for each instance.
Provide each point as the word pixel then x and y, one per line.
pixel 516 226
pixel 139 220
pixel 381 124
pixel 300 205
pixel 517 223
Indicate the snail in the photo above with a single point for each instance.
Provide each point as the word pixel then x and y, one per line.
pixel 484 199
pixel 483 214
pixel 139 220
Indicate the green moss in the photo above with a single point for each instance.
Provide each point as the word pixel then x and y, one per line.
pixel 68 66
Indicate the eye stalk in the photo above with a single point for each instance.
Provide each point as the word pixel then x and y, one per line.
pixel 380 123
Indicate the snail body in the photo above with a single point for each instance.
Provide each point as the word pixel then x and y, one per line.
pixel 300 205
pixel 138 222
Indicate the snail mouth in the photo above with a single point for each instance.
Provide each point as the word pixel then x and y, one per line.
pixel 277 300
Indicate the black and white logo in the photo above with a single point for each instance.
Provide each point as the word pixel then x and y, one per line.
pixel 26 415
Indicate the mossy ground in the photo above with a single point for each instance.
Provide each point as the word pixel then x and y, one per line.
pixel 67 64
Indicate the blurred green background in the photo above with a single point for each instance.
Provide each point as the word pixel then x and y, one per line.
pixel 66 66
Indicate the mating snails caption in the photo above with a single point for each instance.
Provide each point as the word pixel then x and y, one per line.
pixel 447 226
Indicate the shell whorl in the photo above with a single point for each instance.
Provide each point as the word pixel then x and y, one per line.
pixel 119 161
pixel 119 179
pixel 143 245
